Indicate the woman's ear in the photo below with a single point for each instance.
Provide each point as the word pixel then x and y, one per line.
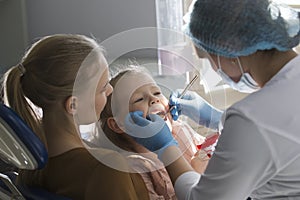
pixel 113 125
pixel 71 105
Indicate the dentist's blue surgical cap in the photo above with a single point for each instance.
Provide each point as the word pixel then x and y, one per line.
pixel 233 28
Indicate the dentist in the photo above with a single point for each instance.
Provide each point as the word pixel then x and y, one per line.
pixel 250 44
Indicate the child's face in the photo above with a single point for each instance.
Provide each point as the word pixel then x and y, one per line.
pixel 149 99
pixel 138 92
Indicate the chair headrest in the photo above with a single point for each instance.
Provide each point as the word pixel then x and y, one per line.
pixel 19 145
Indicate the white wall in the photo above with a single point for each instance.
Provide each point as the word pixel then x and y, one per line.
pixel 100 18
pixel 13 32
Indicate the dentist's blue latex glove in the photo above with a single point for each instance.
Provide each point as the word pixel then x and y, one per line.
pixel 196 108
pixel 153 133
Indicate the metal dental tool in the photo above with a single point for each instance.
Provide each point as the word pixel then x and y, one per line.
pixel 188 86
pixel 185 90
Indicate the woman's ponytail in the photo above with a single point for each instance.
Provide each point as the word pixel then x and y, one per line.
pixel 15 98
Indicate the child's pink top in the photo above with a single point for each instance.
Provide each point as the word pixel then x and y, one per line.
pixel 187 138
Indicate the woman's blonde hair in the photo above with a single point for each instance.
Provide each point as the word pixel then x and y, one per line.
pixel 46 75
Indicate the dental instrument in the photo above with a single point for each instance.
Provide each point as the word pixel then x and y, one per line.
pixel 188 86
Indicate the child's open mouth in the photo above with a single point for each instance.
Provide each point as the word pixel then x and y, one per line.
pixel 162 114
pixel 158 110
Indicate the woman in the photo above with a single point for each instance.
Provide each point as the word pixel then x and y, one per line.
pixel 63 82
pixel 250 44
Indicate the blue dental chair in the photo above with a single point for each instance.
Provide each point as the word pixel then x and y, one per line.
pixel 20 148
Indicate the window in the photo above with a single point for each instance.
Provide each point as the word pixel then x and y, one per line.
pixel 293 3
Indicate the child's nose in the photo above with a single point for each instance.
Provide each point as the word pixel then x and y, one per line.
pixel 154 100
pixel 109 90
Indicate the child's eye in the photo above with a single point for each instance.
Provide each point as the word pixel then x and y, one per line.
pixel 157 93
pixel 138 100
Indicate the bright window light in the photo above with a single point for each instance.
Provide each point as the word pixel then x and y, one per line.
pixel 293 3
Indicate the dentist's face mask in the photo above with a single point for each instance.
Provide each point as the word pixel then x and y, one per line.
pixel 246 84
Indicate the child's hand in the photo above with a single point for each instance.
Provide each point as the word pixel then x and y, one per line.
pixel 200 161
pixel 210 142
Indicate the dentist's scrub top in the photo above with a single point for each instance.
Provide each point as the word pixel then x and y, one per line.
pixel 258 153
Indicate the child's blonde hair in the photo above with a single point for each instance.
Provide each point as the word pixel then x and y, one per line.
pixel 46 75
pixel 123 140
